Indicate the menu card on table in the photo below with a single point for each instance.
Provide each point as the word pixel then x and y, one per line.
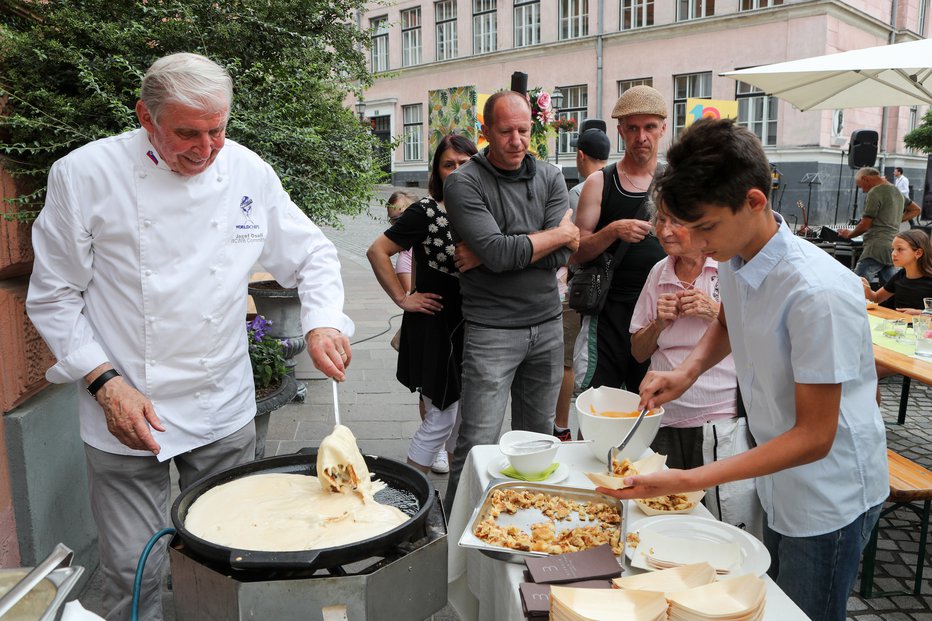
pixel 590 564
pixel 535 598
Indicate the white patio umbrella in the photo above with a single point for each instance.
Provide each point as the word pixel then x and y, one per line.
pixel 886 75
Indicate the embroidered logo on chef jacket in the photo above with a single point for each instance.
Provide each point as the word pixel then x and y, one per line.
pixel 152 157
pixel 247 231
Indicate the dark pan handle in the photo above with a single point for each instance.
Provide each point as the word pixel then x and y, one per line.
pixel 256 559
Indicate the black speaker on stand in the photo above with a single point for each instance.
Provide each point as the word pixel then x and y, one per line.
pixel 863 148
pixel 862 151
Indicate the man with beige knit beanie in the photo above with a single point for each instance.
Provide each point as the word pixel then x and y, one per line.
pixel 613 218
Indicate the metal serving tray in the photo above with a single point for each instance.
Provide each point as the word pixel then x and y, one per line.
pixel 63 580
pixel 525 517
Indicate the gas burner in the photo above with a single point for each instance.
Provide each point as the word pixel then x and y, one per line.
pixel 407 581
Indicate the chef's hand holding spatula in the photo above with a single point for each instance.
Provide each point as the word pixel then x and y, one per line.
pixel 330 352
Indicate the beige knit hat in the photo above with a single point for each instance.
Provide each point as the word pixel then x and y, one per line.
pixel 640 100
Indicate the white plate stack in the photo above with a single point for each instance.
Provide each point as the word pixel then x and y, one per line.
pixel 672 540
pixel 659 551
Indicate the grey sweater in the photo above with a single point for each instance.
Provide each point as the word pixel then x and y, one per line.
pixel 494 213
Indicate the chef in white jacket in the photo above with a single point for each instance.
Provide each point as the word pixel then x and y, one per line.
pixel 143 252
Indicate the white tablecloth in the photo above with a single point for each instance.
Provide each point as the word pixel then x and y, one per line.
pixel 485 589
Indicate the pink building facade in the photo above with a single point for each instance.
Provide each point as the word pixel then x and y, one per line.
pixel 593 49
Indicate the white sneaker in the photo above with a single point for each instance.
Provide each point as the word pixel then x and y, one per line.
pixel 441 464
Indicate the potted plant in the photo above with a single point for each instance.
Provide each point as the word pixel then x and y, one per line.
pixel 274 387
pixel 281 307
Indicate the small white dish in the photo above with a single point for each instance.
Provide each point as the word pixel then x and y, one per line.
pixel 496 467
pixel 529 452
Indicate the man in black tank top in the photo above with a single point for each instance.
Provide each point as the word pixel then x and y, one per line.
pixel 613 218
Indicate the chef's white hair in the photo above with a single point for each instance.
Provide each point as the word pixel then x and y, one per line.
pixel 188 79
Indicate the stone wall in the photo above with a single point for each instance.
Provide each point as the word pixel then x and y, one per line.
pixel 43 483
pixel 15 257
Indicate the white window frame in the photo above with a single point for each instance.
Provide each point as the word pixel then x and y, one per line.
pixel 694 9
pixel 574 19
pixel 575 106
pixel 484 26
pixel 753 5
pixel 379 55
pixel 685 86
pixel 758 112
pixel 411 37
pixel 445 19
pixel 624 85
pixel 527 23
pixel 413 121
pixel 635 14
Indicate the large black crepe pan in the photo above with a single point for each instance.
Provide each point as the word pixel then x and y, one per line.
pixel 408 489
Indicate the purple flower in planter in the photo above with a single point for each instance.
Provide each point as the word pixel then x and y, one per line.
pixel 258 327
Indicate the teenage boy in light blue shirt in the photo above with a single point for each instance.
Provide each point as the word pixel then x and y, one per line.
pixel 802 346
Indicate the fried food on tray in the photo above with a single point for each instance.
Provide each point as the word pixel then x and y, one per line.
pixel 623 468
pixel 543 536
pixel 671 502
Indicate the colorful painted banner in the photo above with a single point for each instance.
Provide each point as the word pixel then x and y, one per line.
pixel 710 108
pixel 451 110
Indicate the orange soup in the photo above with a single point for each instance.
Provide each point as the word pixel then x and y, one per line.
pixel 633 414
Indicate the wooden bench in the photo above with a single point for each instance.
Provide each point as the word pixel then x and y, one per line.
pixel 909 483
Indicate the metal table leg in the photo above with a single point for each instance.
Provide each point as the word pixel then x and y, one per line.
pixel 904 399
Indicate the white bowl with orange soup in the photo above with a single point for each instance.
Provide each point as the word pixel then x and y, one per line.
pixel 605 417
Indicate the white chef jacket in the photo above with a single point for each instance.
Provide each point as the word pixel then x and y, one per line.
pixel 148 269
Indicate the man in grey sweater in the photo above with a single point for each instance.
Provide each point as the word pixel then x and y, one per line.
pixel 512 214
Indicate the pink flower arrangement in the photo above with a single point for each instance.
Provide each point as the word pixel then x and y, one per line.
pixel 544 109
pixel 543 119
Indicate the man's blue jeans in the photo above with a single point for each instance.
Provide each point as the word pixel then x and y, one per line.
pixel 525 362
pixel 818 573
pixel 873 270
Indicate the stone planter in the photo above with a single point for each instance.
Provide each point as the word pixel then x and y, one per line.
pixel 282 309
pixel 266 405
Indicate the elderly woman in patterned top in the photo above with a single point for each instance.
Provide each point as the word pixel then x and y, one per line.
pixel 431 347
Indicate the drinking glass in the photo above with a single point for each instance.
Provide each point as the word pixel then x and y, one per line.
pixel 922 326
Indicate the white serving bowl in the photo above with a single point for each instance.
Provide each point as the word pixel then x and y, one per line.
pixel 529 461
pixel 606 432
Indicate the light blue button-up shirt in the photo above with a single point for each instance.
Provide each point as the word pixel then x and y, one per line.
pixel 796 315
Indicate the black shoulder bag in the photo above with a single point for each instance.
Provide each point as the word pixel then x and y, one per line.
pixel 588 288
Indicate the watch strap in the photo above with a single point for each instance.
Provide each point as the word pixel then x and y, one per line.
pixel 102 379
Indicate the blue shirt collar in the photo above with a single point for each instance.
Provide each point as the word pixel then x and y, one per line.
pixel 756 270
